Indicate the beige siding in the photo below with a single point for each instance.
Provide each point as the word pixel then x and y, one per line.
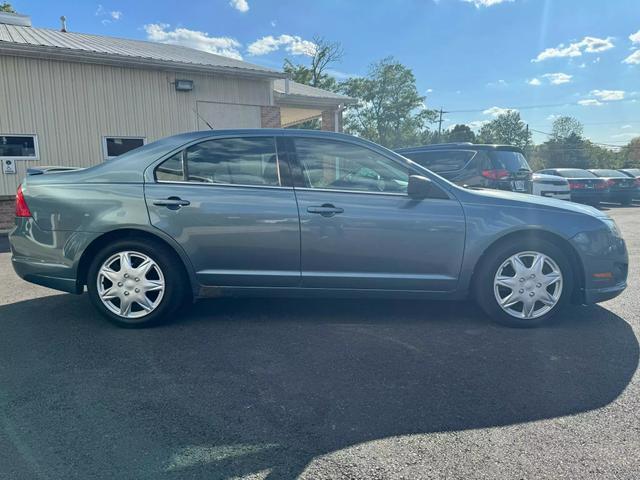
pixel 71 106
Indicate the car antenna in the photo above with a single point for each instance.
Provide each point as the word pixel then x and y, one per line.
pixel 200 117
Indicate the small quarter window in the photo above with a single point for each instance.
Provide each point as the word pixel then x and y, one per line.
pixel 115 146
pixel 171 170
pixel 19 147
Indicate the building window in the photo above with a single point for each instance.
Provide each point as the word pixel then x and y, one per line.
pixel 19 147
pixel 114 146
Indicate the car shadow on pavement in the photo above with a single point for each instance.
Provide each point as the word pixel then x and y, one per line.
pixel 236 386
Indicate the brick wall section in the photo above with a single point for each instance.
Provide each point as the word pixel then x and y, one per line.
pixel 270 117
pixel 329 121
pixel 7 212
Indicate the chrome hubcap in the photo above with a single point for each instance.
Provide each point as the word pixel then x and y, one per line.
pixel 528 285
pixel 130 284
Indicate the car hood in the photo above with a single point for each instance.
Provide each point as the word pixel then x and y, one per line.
pixel 506 198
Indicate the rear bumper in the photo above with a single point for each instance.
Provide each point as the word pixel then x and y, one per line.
pixel 588 196
pixel 557 194
pixel 51 276
pixel 624 196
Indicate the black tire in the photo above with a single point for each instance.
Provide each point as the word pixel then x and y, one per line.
pixel 175 281
pixel 484 280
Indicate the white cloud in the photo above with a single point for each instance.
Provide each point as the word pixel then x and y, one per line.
pixel 293 44
pixel 608 95
pixel 624 127
pixel 635 37
pixel 273 23
pixel 633 59
pixel 159 32
pixel 499 83
pixel 553 117
pixel 497 111
pixel 486 3
pixel 576 49
pixel 535 82
pixel 114 15
pixel 558 78
pixel 476 124
pixel 429 90
pixel 240 5
pixel 589 102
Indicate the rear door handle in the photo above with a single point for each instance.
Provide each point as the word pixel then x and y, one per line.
pixel 326 210
pixel 172 203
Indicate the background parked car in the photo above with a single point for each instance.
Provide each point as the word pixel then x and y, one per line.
pixel 635 174
pixel 585 186
pixel 500 167
pixel 622 188
pixel 552 186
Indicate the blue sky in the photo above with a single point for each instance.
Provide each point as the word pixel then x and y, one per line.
pixel 563 57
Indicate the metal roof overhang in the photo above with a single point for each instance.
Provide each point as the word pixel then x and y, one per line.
pixel 83 56
pixel 306 101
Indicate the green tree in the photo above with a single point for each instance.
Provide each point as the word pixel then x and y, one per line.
pixel 565 126
pixel 568 152
pixel 325 53
pixel 7 8
pixel 389 110
pixel 507 128
pixel 459 133
pixel 631 154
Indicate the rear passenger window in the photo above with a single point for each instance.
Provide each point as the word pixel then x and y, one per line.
pixel 231 161
pixel 442 161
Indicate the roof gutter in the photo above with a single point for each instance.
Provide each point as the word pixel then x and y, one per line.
pixel 96 58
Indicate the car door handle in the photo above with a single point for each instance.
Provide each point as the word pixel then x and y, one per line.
pixel 172 203
pixel 326 210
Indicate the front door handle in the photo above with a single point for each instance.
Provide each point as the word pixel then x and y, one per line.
pixel 326 210
pixel 172 203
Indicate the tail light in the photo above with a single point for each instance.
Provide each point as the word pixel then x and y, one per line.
pixel 22 209
pixel 604 184
pixel 495 174
pixel 637 182
pixel 610 183
pixel 576 186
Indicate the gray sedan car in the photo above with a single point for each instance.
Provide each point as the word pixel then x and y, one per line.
pixel 285 212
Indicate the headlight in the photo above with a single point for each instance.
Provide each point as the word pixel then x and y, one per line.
pixel 613 227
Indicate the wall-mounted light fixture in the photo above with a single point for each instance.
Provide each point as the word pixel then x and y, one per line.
pixel 184 85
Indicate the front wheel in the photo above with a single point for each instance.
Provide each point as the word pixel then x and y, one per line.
pixel 135 283
pixel 524 285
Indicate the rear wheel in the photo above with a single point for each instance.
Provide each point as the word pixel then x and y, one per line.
pixel 135 283
pixel 524 285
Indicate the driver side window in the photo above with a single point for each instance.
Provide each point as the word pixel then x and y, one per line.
pixel 332 165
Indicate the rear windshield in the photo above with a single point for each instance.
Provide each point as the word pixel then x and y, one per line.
pixel 609 173
pixel 441 160
pixel 633 171
pixel 511 161
pixel 576 173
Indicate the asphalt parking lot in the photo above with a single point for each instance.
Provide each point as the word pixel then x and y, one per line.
pixel 318 389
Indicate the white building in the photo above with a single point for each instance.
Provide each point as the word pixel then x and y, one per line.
pixel 76 99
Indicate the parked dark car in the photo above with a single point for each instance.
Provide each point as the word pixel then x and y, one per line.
pixel 274 212
pixel 622 188
pixel 635 174
pixel 500 167
pixel 585 186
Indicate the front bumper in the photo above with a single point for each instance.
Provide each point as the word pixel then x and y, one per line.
pixel 597 295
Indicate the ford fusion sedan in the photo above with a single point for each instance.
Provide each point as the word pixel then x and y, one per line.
pixel 586 187
pixel 286 212
pixel 622 189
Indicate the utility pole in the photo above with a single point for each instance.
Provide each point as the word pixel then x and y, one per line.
pixel 440 124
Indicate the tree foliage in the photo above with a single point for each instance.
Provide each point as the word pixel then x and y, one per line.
pixel 390 111
pixel 459 133
pixel 631 154
pixel 325 53
pixel 507 128
pixel 7 8
pixel 565 126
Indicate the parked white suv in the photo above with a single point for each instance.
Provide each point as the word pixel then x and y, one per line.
pixel 551 186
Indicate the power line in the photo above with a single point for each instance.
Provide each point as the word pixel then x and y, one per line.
pixel 595 143
pixel 529 107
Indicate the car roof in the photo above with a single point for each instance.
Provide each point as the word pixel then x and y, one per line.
pixel 459 145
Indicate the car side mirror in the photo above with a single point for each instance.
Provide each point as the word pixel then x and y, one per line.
pixel 420 187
